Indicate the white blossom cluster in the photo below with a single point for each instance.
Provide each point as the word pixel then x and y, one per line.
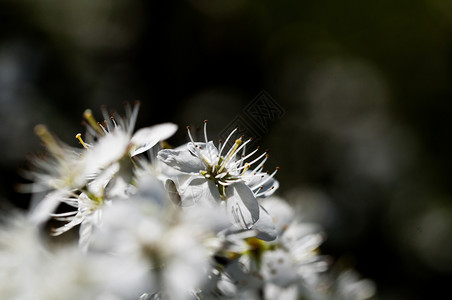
pixel 199 221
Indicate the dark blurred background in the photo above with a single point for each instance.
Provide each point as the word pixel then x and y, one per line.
pixel 362 89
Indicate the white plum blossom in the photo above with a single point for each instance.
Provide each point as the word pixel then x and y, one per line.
pixel 290 262
pixel 153 231
pixel 105 169
pixel 211 175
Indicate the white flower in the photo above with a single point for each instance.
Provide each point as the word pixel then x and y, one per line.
pixel 294 257
pixel 168 243
pixel 104 170
pixel 30 270
pixel 351 287
pixel 114 140
pixel 290 262
pixel 62 169
pixel 211 175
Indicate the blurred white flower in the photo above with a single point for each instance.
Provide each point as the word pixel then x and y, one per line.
pixel 30 270
pixel 169 244
pixel 348 285
pixel 290 262
pixel 88 179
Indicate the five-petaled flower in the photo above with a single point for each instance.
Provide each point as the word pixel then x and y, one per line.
pixel 216 175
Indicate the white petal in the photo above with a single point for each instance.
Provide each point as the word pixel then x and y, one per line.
pixel 200 191
pixel 281 212
pixel 146 138
pixel 46 206
pixel 264 226
pixel 209 152
pixel 181 160
pixel 110 149
pixel 172 191
pixel 242 206
pixel 269 185
pixel 278 267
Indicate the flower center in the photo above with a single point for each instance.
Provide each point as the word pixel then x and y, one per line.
pixel 230 168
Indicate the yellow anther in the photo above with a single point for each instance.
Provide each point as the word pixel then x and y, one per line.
pixel 48 139
pixel 247 166
pixel 88 114
pixel 79 137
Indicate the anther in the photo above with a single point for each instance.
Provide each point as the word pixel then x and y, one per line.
pixel 41 130
pixel 47 138
pixel 88 115
pixel 79 137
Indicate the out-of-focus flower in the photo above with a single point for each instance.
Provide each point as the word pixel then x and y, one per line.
pixel 289 262
pixel 209 176
pixel 31 270
pixel 351 287
pixel 169 243
pixel 104 170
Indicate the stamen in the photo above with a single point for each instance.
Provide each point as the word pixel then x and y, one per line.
pixel 79 137
pixel 247 165
pixel 189 135
pixel 207 140
pixel 102 127
pixel 258 190
pixel 262 193
pixel 230 154
pixel 261 164
pixel 228 182
pixel 197 148
pixel 114 121
pixel 243 158
pixel 226 141
pixel 266 179
pixel 106 117
pixel 88 114
pixel 257 159
pixel 243 144
pixel 47 138
pixel 65 214
pixel 133 117
pixel 221 175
